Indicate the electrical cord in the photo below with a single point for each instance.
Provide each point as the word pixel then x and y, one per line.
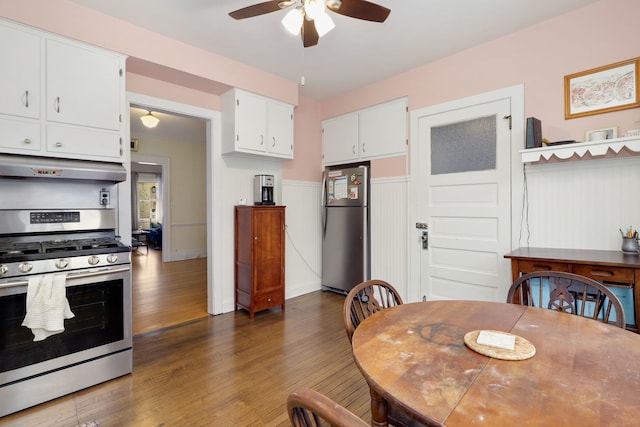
pixel 286 228
pixel 525 208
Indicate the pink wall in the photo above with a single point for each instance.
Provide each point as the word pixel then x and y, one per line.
pixel 539 56
pixel 306 165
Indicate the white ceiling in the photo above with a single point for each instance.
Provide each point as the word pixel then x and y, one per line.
pixel 355 53
pixel 172 127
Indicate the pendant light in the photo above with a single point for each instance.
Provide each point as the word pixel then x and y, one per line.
pixel 149 120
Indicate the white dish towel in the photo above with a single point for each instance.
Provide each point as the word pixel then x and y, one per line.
pixel 47 305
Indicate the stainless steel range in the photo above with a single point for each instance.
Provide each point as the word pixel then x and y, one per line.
pixel 96 344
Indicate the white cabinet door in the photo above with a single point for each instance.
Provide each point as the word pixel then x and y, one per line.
pixel 383 130
pixel 83 143
pixel 251 122
pixel 340 139
pixel 20 72
pixel 83 86
pixel 280 127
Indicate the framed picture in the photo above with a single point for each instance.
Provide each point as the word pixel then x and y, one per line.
pixel 134 145
pixel 601 134
pixel 601 90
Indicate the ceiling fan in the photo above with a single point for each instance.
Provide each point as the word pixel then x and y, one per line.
pixel 309 17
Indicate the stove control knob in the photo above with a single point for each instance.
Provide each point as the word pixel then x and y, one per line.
pixel 25 267
pixel 112 258
pixel 3 269
pixel 62 263
pixel 94 259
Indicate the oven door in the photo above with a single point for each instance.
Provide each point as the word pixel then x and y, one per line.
pixel 100 299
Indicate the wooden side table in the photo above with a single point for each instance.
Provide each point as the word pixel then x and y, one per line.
pixel 619 271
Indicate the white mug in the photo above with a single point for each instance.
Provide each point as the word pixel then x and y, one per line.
pixel 598 135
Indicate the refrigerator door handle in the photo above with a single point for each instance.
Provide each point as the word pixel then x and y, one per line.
pixel 323 206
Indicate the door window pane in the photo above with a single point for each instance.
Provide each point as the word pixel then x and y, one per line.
pixel 464 146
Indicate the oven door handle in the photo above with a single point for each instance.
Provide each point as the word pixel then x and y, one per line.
pixel 80 275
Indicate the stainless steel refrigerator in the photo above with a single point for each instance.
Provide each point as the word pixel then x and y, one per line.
pixel 345 228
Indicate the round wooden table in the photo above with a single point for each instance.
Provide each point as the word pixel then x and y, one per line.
pixel 584 373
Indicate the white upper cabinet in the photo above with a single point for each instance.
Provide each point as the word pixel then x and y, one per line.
pixel 382 130
pixel 280 123
pixel 340 139
pixel 58 97
pixel 254 124
pixel 83 86
pixel 19 73
pixel 372 133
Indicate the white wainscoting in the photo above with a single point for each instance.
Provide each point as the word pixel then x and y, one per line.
pixel 581 204
pixel 303 237
pixel 389 225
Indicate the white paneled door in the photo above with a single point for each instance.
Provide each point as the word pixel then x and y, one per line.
pixel 464 198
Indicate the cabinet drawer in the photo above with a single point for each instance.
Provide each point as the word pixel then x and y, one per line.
pixel 19 136
pixel 84 143
pixel 604 273
pixel 264 301
pixel 531 266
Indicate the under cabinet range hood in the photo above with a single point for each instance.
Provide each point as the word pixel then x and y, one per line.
pixel 20 166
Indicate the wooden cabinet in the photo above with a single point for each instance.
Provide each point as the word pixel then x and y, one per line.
pixel 618 271
pixel 256 125
pixel 372 133
pixel 58 97
pixel 259 257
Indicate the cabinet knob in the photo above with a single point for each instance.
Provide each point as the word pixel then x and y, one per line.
pixel 58 144
pixel 354 149
pixel 27 141
pixel 274 142
pixel 261 139
pixel 268 299
pixel 26 98
pixel 255 237
pixel 57 104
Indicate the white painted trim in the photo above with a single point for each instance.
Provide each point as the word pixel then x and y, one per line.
pixel 214 188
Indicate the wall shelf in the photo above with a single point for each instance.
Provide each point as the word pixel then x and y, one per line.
pixel 619 147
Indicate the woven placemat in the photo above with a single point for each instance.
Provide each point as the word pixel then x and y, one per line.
pixel 523 349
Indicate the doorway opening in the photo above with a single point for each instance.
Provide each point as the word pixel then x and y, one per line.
pixel 170 257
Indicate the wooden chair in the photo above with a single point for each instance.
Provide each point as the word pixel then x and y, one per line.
pixel 568 292
pixel 361 302
pixel 308 408
pixel 365 299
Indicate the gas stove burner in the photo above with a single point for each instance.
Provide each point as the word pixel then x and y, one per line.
pixel 16 249
pixel 59 246
pixel 100 243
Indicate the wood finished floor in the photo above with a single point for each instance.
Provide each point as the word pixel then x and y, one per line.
pixel 166 294
pixel 224 370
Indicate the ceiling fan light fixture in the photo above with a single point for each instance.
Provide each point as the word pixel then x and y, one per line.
pixel 324 24
pixel 292 21
pixel 314 8
pixel 149 120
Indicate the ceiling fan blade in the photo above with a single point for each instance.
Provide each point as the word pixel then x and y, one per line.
pixel 309 33
pixel 360 9
pixel 257 9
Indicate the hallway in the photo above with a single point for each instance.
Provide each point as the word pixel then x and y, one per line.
pixel 166 294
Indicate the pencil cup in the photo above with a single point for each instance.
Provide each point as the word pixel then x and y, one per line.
pixel 630 245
